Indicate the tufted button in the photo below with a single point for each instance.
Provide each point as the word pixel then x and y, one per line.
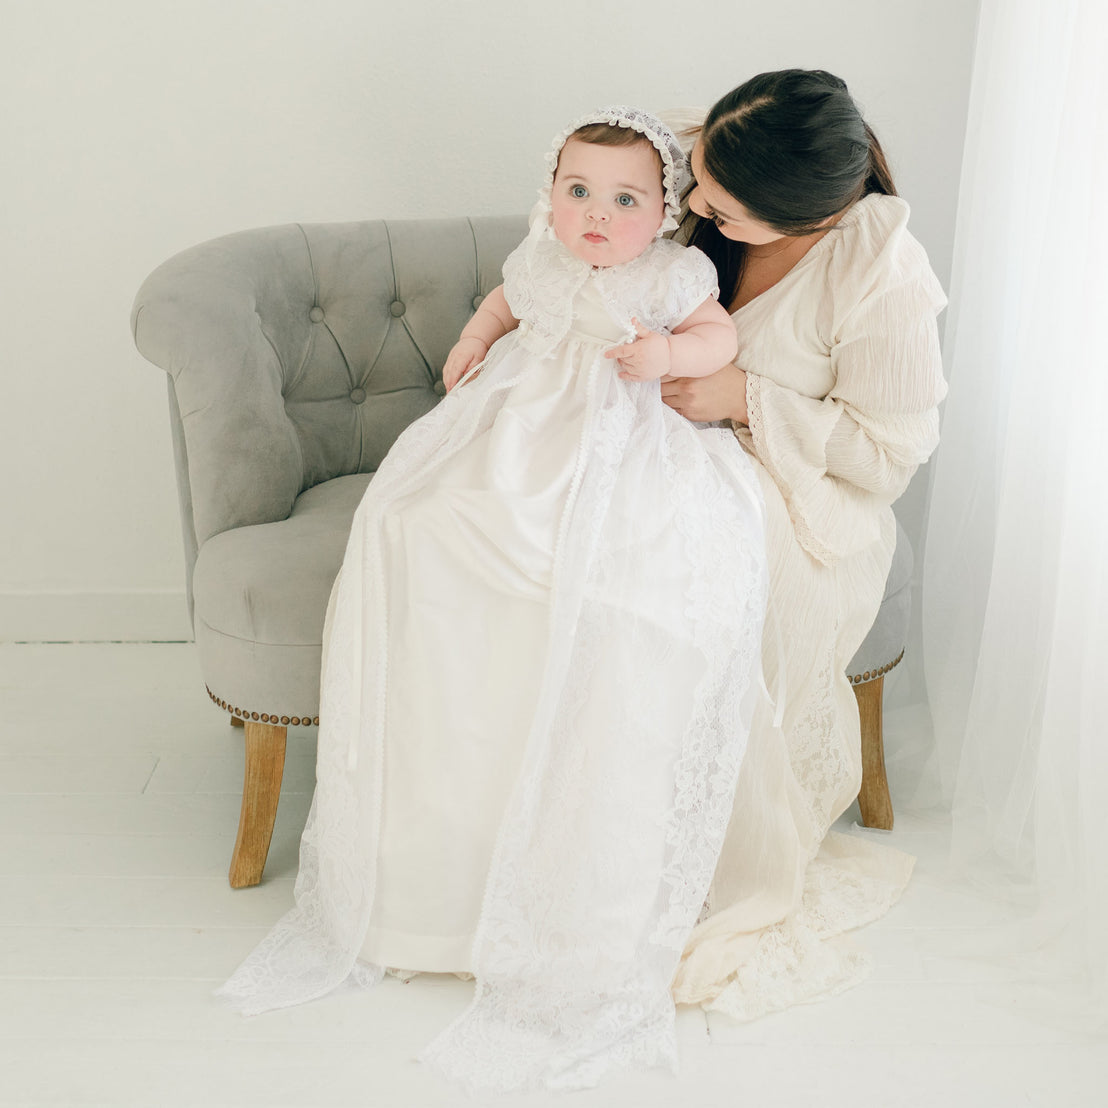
pixel 477 301
pixel 316 314
pixel 440 388
pixel 397 308
pixel 357 396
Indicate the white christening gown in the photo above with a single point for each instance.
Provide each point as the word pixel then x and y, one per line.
pixel 536 692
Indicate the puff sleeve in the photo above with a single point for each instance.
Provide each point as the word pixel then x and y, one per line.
pixel 661 287
pixel 689 280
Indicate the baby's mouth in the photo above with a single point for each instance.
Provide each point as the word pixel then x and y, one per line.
pixel 593 236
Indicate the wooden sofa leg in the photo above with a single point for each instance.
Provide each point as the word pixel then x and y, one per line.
pixel 261 790
pixel 874 799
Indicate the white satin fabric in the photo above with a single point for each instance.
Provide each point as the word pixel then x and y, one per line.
pixel 535 697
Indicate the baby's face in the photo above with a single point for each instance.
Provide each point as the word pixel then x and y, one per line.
pixel 608 202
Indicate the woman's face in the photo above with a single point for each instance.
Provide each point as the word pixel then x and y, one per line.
pixel 712 202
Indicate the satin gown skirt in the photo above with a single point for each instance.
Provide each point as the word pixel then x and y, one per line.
pixel 469 560
pixel 574 612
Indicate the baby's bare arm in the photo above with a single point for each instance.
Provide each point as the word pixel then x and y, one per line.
pixel 492 320
pixel 702 342
pixel 699 345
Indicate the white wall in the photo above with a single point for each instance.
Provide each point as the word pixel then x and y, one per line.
pixel 134 128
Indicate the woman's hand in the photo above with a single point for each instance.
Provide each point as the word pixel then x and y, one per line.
pixel 463 356
pixel 721 395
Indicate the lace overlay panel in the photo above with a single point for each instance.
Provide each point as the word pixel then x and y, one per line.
pixel 612 836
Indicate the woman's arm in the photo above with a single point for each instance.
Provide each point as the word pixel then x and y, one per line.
pixel 879 422
pixel 837 458
pixel 720 395
pixel 492 320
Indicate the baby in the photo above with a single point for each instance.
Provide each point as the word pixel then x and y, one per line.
pixel 532 708
pixel 607 208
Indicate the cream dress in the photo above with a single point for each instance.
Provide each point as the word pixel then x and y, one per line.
pixel 845 376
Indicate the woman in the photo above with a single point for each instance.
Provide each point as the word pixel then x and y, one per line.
pixel 834 394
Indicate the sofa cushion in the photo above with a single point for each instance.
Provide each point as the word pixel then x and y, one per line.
pixel 269 583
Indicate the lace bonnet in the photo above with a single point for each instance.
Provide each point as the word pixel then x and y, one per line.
pixel 674 163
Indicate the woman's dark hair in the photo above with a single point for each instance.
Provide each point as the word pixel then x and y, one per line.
pixel 793 149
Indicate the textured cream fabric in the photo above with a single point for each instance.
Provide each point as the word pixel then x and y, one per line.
pixel 844 379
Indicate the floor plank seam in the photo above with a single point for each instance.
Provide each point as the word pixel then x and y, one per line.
pixel 146 784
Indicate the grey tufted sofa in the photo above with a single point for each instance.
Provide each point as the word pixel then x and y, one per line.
pixel 295 355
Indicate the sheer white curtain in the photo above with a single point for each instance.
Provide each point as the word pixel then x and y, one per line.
pixel 1015 580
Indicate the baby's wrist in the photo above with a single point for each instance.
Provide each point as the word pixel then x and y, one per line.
pixel 668 368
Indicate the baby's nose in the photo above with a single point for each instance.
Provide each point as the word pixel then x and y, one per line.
pixel 599 213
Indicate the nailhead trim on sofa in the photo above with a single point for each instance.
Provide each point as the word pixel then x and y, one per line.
pixel 297 721
pixel 873 674
pixel 265 717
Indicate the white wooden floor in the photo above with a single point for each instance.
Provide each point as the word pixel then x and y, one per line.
pixel 119 796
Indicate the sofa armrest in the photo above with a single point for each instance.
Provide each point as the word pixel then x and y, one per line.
pixel 202 316
pixel 297 354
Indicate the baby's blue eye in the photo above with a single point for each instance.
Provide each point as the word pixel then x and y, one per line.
pixel 625 201
pixel 579 191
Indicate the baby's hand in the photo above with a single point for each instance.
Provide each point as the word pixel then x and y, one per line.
pixel 645 359
pixel 464 355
